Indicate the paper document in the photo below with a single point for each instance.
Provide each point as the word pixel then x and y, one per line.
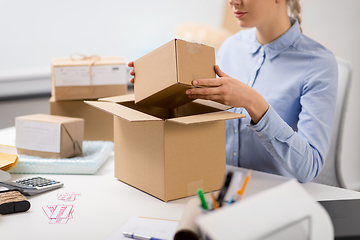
pixel 158 228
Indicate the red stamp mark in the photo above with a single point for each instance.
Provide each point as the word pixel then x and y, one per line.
pixel 59 213
pixel 68 197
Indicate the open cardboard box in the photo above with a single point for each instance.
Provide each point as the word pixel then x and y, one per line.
pixel 168 153
pixel 163 75
pixel 89 78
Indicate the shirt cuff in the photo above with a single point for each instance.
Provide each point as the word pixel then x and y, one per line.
pixel 271 125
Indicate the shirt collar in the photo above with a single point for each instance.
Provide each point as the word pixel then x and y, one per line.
pixel 278 45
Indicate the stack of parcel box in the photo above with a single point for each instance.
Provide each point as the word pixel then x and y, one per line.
pixel 166 144
pixel 87 78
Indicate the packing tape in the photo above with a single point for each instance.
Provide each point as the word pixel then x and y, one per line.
pixel 194 48
pixel 192 187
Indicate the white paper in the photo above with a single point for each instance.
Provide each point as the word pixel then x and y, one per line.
pixel 108 74
pixel 4 176
pixel 38 136
pixel 158 228
pixel 81 75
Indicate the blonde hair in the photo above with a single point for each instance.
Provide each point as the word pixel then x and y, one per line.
pixel 295 9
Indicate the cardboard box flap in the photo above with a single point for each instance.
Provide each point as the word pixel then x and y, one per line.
pixel 118 99
pixel 122 111
pixel 212 104
pixel 207 117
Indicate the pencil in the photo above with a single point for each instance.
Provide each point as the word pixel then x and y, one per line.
pixel 215 205
pixel 240 192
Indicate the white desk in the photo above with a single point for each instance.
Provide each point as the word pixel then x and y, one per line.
pixel 106 203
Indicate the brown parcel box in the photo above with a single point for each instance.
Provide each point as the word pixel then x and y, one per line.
pixel 98 124
pixel 163 75
pixel 89 78
pixel 49 136
pixel 168 157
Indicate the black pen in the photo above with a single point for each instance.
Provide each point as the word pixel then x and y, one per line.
pixel 224 188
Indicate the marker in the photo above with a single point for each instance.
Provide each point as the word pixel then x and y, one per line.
pixel 215 205
pixel 232 199
pixel 240 192
pixel 202 199
pixel 138 236
pixel 224 188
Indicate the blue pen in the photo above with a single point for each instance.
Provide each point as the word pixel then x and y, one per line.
pixel 138 236
pixel 232 199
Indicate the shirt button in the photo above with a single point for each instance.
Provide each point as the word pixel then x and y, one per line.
pixel 260 60
pixel 235 131
pixel 261 49
pixel 235 154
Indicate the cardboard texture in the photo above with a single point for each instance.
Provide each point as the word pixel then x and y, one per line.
pixel 168 153
pixel 87 78
pixel 163 75
pixel 98 124
pixel 49 136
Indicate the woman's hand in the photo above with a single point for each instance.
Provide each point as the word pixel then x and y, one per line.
pixel 132 72
pixel 231 92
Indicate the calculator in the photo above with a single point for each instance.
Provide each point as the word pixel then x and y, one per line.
pixel 32 186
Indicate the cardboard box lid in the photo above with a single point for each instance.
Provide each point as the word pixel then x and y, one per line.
pixel 111 105
pixel 92 60
pixel 49 118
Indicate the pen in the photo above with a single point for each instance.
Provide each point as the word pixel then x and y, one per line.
pixel 224 188
pixel 240 192
pixel 232 199
pixel 215 205
pixel 139 236
pixel 202 199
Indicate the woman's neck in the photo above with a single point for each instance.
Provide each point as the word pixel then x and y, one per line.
pixel 270 31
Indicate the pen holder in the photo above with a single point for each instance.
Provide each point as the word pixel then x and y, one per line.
pixel 12 201
pixel 206 211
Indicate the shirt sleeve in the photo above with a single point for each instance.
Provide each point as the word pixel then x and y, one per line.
pixel 302 153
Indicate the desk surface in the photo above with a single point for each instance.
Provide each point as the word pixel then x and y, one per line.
pixel 106 203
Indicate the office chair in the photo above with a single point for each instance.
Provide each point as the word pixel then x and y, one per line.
pixel 331 174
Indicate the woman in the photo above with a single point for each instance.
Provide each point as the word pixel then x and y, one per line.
pixel 284 82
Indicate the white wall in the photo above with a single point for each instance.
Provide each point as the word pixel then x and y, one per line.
pixel 33 32
pixel 335 24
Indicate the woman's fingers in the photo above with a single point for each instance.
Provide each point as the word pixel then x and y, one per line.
pixel 132 72
pixel 207 82
pixel 219 72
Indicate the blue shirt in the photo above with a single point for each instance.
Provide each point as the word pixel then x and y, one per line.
pixel 298 78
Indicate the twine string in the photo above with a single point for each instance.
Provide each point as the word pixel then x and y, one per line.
pixel 81 57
